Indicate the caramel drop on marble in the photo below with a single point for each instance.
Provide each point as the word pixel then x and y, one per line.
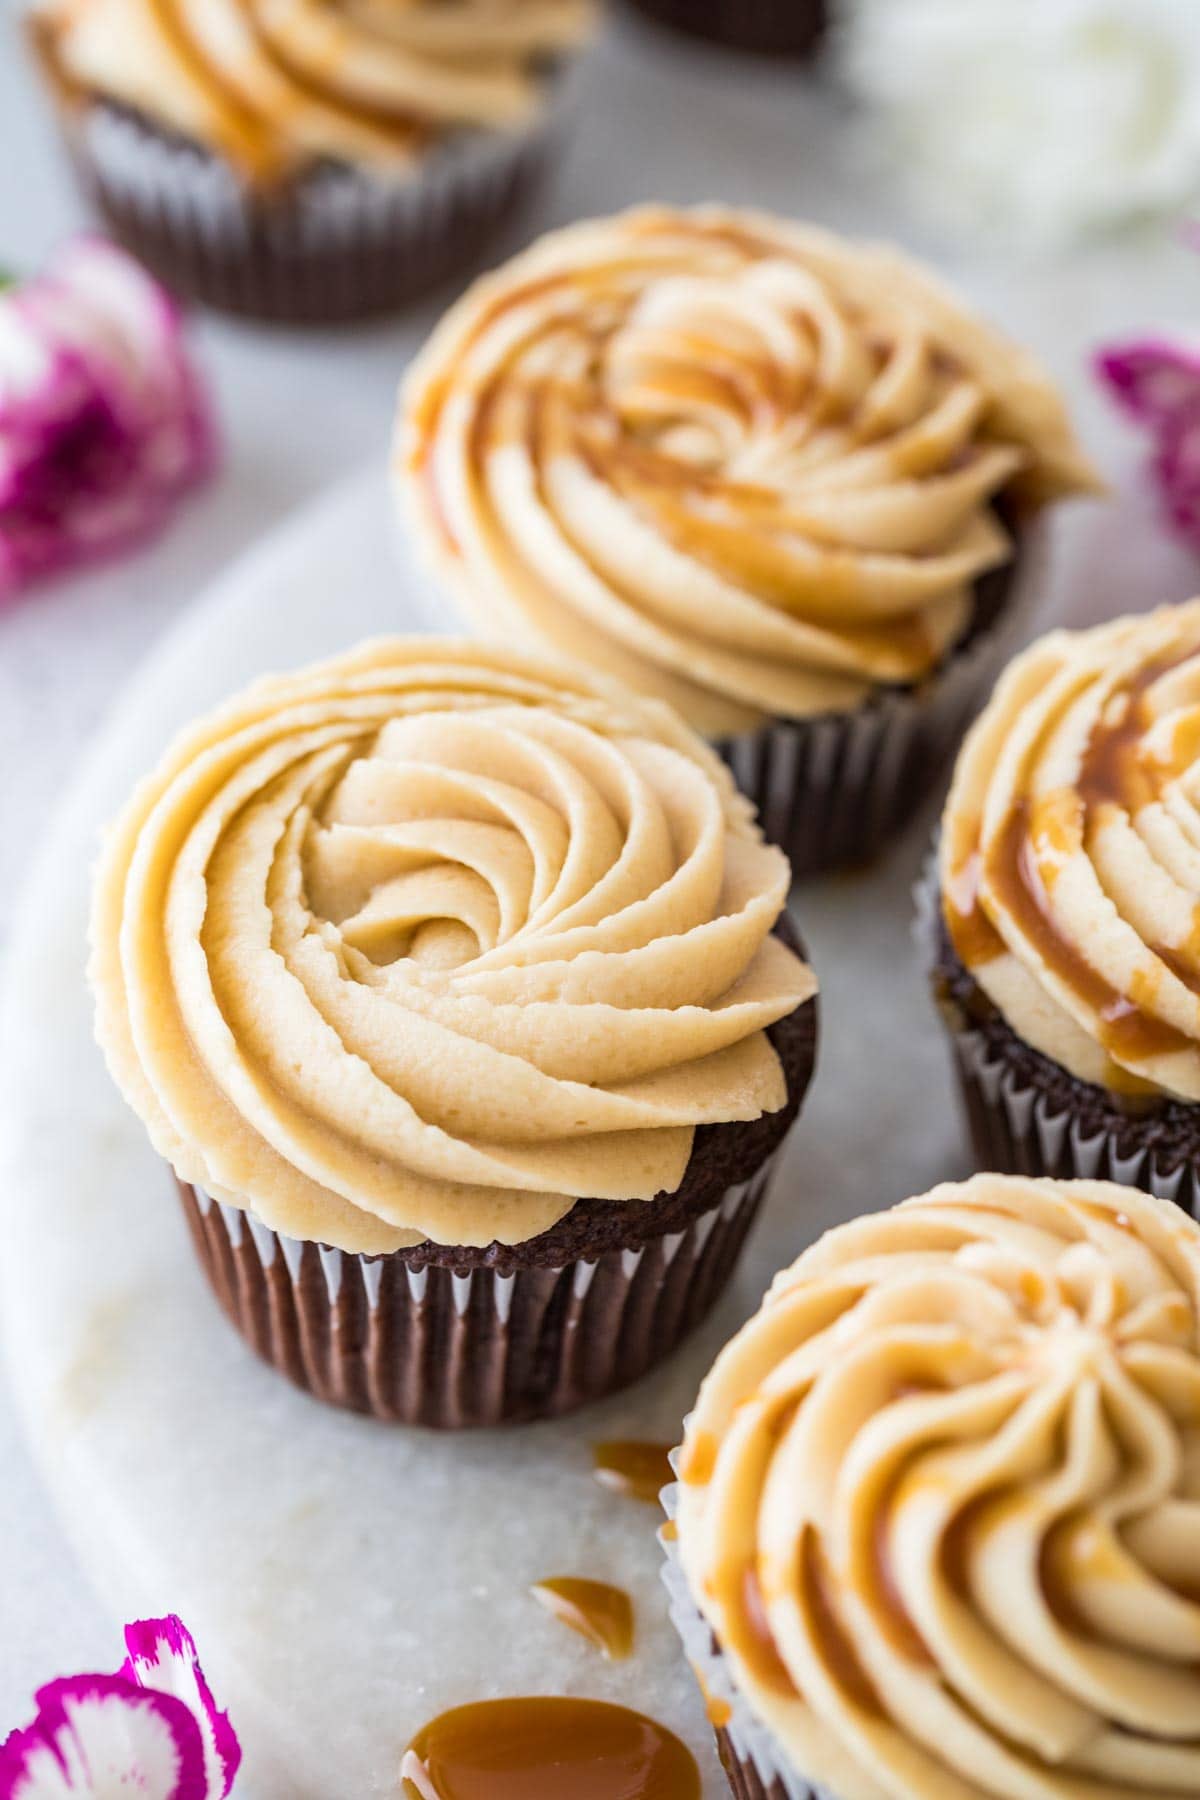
pixel 641 1470
pixel 547 1748
pixel 598 1612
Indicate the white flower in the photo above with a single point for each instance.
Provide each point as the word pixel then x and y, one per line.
pixel 1041 119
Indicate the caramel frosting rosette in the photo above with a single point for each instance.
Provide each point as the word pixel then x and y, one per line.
pixel 940 1500
pixel 744 465
pixel 278 84
pixel 431 941
pixel 1071 852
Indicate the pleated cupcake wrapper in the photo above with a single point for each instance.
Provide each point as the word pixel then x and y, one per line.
pixel 1012 1126
pixel 337 244
pixel 831 791
pixel 753 1760
pixel 426 1346
pixel 784 27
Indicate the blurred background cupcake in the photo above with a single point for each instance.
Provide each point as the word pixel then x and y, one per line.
pixel 784 481
pixel 771 27
pixel 1060 925
pixel 932 1503
pixel 459 996
pixel 308 160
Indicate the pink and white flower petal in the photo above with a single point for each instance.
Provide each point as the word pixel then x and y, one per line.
pixel 1157 382
pixel 162 1656
pixel 102 1737
pixel 103 421
pixel 1151 378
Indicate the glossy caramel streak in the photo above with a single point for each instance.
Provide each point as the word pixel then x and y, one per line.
pixel 633 1467
pixel 246 132
pixel 975 939
pixel 547 1748
pixel 597 1611
pixel 1014 871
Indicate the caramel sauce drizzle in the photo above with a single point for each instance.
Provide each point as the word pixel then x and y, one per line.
pixel 758 1646
pixel 840 1657
pixel 1037 837
pixel 975 939
pixel 547 1748
pixel 718 1712
pixel 600 1613
pixel 699 1459
pixel 633 1467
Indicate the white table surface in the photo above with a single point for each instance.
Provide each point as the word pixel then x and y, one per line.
pixel 301 409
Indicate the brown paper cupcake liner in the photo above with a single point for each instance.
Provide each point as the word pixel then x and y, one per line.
pixel 775 27
pixel 334 245
pixel 1013 1127
pixel 418 1343
pixel 831 791
pixel 750 1754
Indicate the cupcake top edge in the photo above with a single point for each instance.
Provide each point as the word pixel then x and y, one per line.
pixel 1070 853
pixel 277 85
pixel 741 463
pixel 430 941
pixel 938 1499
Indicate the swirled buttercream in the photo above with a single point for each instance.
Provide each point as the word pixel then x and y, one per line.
pixel 941 1499
pixel 1071 852
pixel 744 465
pixel 431 941
pixel 278 84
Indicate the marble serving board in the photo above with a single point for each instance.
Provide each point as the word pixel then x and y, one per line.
pixel 346 1580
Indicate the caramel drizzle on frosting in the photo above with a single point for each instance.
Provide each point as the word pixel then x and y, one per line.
pixel 746 466
pixel 275 85
pixel 999 884
pixel 949 1540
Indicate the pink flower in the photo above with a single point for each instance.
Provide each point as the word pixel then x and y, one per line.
pixel 152 1730
pixel 103 423
pixel 1157 383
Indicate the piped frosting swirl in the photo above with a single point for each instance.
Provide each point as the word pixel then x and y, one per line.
pixel 275 85
pixel 1070 857
pixel 744 465
pixel 430 941
pixel 940 1499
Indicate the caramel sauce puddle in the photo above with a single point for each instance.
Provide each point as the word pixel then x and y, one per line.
pixel 547 1748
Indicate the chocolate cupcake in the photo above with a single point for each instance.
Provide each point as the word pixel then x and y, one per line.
pixel 457 993
pixel 1060 924
pixel 785 482
pixel 308 160
pixel 936 1518
pixel 768 27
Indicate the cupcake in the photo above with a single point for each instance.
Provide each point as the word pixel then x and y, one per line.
pixel 307 160
pixel 1061 922
pixel 457 993
pixel 938 1509
pixel 770 27
pixel 785 482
